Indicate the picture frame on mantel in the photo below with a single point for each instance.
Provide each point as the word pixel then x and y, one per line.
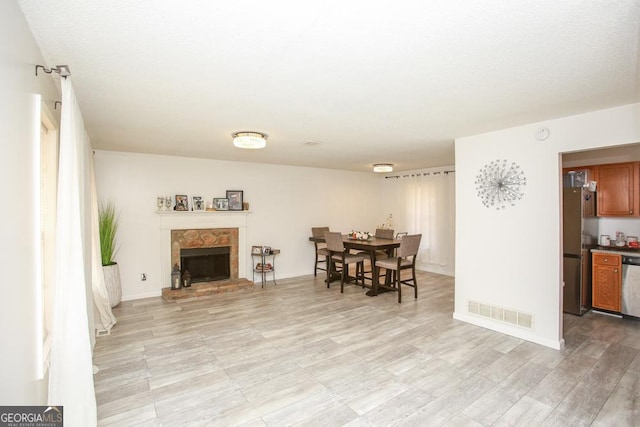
pixel 220 204
pixel 182 202
pixel 197 203
pixel 235 200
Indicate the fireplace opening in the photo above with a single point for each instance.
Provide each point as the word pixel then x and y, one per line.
pixel 206 264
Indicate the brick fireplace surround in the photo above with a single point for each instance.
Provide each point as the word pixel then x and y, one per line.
pixel 206 238
pixel 201 230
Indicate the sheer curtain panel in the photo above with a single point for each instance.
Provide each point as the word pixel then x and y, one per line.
pixel 424 203
pixel 71 369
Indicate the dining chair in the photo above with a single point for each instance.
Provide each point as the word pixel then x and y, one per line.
pixel 381 233
pixel 406 259
pixel 399 236
pixel 384 233
pixel 321 250
pixel 337 254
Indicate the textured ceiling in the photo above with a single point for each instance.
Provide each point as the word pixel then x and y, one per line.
pixel 369 81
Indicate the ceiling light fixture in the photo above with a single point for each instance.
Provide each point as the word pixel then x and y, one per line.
pixel 249 140
pixel 383 167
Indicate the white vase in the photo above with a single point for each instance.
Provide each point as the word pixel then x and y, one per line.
pixel 112 281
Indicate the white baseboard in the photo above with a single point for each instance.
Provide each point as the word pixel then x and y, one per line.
pixel 507 330
pixel 157 293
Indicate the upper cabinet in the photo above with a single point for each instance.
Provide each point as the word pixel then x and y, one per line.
pixel 618 189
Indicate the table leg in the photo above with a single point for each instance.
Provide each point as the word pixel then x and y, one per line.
pixel 374 275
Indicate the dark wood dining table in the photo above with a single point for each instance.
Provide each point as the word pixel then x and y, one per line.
pixel 371 246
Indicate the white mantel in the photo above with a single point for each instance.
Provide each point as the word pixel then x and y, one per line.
pixel 177 220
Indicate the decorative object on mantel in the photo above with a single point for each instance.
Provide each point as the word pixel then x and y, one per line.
pixel 220 204
pixel 176 283
pixel 197 203
pixel 108 228
pixel 235 199
pixel 245 206
pixel 500 185
pixel 182 203
pixel 163 203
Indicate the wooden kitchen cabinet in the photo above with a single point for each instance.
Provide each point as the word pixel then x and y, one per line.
pixel 617 190
pixel 607 281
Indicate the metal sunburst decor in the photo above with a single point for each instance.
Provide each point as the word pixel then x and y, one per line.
pixel 500 185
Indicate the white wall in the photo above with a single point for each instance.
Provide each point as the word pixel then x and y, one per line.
pixel 19 162
pixel 512 258
pixel 285 202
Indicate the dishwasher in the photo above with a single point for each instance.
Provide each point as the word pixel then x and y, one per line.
pixel 631 286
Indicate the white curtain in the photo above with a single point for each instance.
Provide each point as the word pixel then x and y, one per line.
pixel 427 206
pixel 71 369
pixel 103 317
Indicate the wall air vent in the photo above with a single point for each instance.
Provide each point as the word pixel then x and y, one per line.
pixel 513 317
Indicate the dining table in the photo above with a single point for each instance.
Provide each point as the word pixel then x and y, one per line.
pixel 371 245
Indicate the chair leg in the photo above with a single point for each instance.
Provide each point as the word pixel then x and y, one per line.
pixel 329 272
pixel 415 283
pixel 315 266
pixel 344 267
pixel 399 283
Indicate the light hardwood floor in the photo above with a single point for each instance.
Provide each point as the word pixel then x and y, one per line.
pixel 301 354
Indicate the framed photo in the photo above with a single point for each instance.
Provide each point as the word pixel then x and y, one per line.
pixel 182 202
pixel 220 204
pixel 235 200
pixel 197 203
pixel 256 250
pixel 266 250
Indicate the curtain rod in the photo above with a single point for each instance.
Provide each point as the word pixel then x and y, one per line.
pixel 419 174
pixel 63 70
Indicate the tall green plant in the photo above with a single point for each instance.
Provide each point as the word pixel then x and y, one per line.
pixel 108 226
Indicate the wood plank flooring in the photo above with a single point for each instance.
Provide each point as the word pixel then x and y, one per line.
pixel 301 354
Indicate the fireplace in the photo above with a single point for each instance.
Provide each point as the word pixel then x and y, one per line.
pixel 206 264
pixel 205 244
pixel 204 229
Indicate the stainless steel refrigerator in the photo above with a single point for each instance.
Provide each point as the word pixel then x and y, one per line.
pixel 579 228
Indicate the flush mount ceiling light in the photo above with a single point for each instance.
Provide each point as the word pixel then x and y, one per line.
pixel 383 167
pixel 250 140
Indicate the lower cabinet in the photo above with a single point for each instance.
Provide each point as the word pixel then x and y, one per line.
pixel 607 281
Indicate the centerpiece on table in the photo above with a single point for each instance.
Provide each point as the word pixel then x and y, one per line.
pixel 360 235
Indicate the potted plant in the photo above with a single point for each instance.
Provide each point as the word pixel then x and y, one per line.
pixel 108 227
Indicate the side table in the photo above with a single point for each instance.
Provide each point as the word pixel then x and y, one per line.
pixel 264 264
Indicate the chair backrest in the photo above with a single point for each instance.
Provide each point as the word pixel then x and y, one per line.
pixel 401 235
pixel 384 233
pixel 318 231
pixel 334 241
pixel 409 245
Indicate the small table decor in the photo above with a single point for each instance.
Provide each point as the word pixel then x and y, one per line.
pixel 360 235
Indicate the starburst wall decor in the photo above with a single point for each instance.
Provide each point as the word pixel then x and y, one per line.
pixel 500 185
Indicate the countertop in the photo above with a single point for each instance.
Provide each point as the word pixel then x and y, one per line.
pixel 620 250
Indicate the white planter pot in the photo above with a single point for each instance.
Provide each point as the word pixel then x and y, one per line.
pixel 112 281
